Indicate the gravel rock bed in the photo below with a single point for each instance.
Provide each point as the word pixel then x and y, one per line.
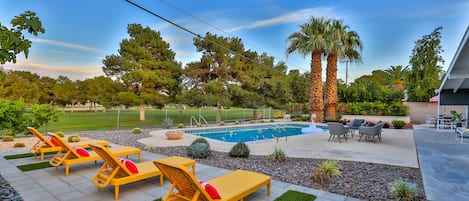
pixel 361 180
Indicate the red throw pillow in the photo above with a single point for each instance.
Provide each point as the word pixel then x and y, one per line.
pixel 81 151
pixel 129 164
pixel 53 141
pixel 210 190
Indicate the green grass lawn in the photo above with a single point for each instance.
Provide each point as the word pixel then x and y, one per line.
pixel 83 121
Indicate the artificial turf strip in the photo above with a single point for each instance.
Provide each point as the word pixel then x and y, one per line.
pixel 25 155
pixel 33 166
pixel 292 195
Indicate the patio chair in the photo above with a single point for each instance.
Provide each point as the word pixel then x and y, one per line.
pixel 232 186
pixel 69 156
pixel 337 130
pixel 371 132
pixel 354 125
pixel 44 145
pixel 115 173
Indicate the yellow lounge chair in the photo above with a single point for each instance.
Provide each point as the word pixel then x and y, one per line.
pixel 115 173
pixel 43 145
pixel 72 157
pixel 231 187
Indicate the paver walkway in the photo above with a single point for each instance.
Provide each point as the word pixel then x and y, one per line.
pixel 444 162
pixel 48 184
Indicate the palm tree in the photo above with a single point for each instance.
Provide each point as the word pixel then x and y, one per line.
pixel 396 76
pixel 341 44
pixel 311 39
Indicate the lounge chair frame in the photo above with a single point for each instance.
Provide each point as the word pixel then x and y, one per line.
pixel 70 156
pixel 43 145
pixel 233 186
pixel 115 173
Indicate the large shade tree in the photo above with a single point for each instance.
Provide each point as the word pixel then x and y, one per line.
pixel 311 39
pixel 12 39
pixel 146 66
pixel 425 67
pixel 210 78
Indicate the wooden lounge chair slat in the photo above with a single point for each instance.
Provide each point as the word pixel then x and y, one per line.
pixel 70 156
pixel 115 173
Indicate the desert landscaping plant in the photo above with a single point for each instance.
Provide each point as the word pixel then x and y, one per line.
pixel 402 190
pixel 60 134
pixel 240 149
pixel 199 150
pixel 167 123
pixel 74 138
pixel 326 171
pixel 278 155
pixel 136 131
pixel 180 125
pixel 222 123
pixel 236 122
pixel 19 144
pixel 8 138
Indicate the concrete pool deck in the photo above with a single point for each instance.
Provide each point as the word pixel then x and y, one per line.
pixel 397 146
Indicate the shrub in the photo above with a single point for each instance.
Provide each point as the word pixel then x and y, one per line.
pixel 19 144
pixel 279 115
pixel 200 140
pixel 199 125
pixel 327 170
pixel 402 191
pixel 240 149
pixel 236 122
pixel 61 134
pixel 8 138
pixel 262 120
pixel 397 123
pixel 167 123
pixel 278 155
pixel 252 121
pixel 180 125
pixel 199 150
pixel 136 131
pixel 74 138
pixel 222 123
pixel 272 120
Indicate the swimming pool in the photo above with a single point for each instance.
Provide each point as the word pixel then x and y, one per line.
pixel 250 133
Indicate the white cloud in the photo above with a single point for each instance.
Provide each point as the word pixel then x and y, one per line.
pixel 72 72
pixel 289 17
pixel 64 44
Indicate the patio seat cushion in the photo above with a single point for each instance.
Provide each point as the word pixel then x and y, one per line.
pixel 129 164
pixel 211 190
pixel 81 151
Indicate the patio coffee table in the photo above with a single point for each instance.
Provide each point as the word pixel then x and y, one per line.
pixel 180 160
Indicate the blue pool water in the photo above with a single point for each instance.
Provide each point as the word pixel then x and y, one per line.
pixel 250 133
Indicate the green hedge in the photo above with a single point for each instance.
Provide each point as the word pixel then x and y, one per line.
pixel 373 108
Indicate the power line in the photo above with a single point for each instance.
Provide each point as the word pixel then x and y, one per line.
pixel 218 28
pixel 191 32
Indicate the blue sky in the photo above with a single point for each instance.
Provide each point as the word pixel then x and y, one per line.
pixel 79 34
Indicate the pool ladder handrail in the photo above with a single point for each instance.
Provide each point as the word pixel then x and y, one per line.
pixel 197 122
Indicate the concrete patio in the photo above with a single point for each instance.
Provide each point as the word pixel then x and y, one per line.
pixel 49 184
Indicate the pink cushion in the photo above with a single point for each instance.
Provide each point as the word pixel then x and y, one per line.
pixel 129 164
pixel 210 190
pixel 52 141
pixel 81 151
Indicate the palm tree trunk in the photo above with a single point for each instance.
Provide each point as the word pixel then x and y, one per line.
pixel 331 99
pixel 142 110
pixel 316 105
